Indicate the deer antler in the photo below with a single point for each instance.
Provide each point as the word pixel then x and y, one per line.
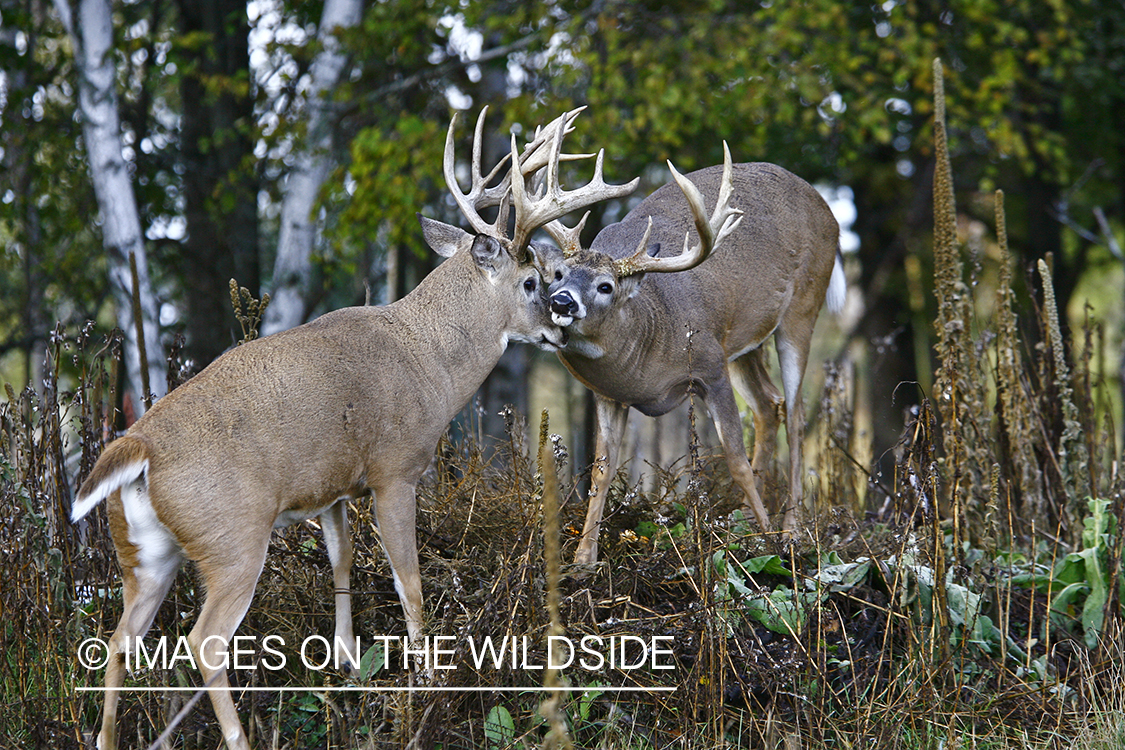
pixel 724 220
pixel 537 154
pixel 479 195
pixel 548 202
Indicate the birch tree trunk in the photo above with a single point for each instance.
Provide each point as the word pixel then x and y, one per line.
pixel 90 26
pixel 289 302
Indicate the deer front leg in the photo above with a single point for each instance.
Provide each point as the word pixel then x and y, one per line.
pixel 724 413
pixel 338 540
pixel 394 512
pixel 612 418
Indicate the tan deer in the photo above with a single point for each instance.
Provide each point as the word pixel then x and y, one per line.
pixel 288 427
pixel 646 331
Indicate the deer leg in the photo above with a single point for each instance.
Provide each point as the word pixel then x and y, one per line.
pixel 793 354
pixel 230 580
pixel 612 418
pixel 338 540
pixel 144 593
pixel 724 413
pixel 146 578
pixel 394 512
pixel 751 379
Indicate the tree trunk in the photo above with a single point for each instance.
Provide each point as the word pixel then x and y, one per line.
pixel 91 32
pixel 289 305
pixel 220 182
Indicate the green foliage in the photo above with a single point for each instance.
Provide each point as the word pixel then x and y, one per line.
pixel 373 661
pixel 1080 585
pixel 394 175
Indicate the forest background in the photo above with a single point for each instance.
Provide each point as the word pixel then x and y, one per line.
pixel 289 145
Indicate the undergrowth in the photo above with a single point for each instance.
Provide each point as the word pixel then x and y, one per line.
pixel 974 599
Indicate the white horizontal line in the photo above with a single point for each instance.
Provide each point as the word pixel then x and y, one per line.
pixel 420 689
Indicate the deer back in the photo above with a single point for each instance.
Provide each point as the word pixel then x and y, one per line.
pixel 782 250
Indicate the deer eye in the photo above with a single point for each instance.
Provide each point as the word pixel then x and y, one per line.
pixel 529 284
pixel 558 275
pixel 605 288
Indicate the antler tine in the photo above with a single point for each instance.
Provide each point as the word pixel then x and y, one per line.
pixel 724 220
pixel 500 190
pixel 535 157
pixel 554 202
pixel 479 196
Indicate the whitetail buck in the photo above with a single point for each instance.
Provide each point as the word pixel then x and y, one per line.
pixel 288 427
pixel 646 331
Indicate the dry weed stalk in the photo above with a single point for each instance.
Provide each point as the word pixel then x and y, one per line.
pixel 1016 411
pixel 952 322
pixel 1074 460
pixel 551 709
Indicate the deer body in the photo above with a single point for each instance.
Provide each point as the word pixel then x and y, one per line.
pixel 288 427
pixel 647 340
pixel 283 429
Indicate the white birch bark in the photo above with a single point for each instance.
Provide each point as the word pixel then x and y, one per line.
pixel 91 33
pixel 293 268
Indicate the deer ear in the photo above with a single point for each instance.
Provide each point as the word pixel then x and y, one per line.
pixel 489 255
pixel 544 257
pixel 444 239
pixel 630 285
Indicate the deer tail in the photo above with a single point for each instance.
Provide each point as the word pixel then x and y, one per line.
pixel 123 461
pixel 837 287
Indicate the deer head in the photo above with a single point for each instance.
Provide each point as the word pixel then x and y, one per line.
pixel 587 284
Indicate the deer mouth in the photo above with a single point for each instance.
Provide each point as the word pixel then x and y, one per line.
pixel 554 341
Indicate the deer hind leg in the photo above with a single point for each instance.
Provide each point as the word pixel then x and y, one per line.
pixel 230 578
pixel 394 512
pixel 612 418
pixel 338 540
pixel 793 355
pixel 149 559
pixel 724 412
pixel 749 374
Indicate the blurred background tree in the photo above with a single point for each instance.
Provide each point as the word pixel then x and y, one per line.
pixel 220 105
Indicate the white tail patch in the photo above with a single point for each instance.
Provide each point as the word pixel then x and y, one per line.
pixel 158 553
pixel 837 288
pixel 114 481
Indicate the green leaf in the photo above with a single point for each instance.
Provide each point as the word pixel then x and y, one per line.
pixel 842 576
pixel 782 610
pixel 770 564
pixel 499 729
pixel 373 660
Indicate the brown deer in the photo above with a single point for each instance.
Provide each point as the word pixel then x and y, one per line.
pixel 289 427
pixel 647 331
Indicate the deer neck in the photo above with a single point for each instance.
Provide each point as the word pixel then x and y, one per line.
pixel 456 325
pixel 627 340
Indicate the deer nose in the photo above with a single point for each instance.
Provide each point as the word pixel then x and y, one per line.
pixel 562 303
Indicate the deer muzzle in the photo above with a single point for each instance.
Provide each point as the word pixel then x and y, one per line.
pixel 565 309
